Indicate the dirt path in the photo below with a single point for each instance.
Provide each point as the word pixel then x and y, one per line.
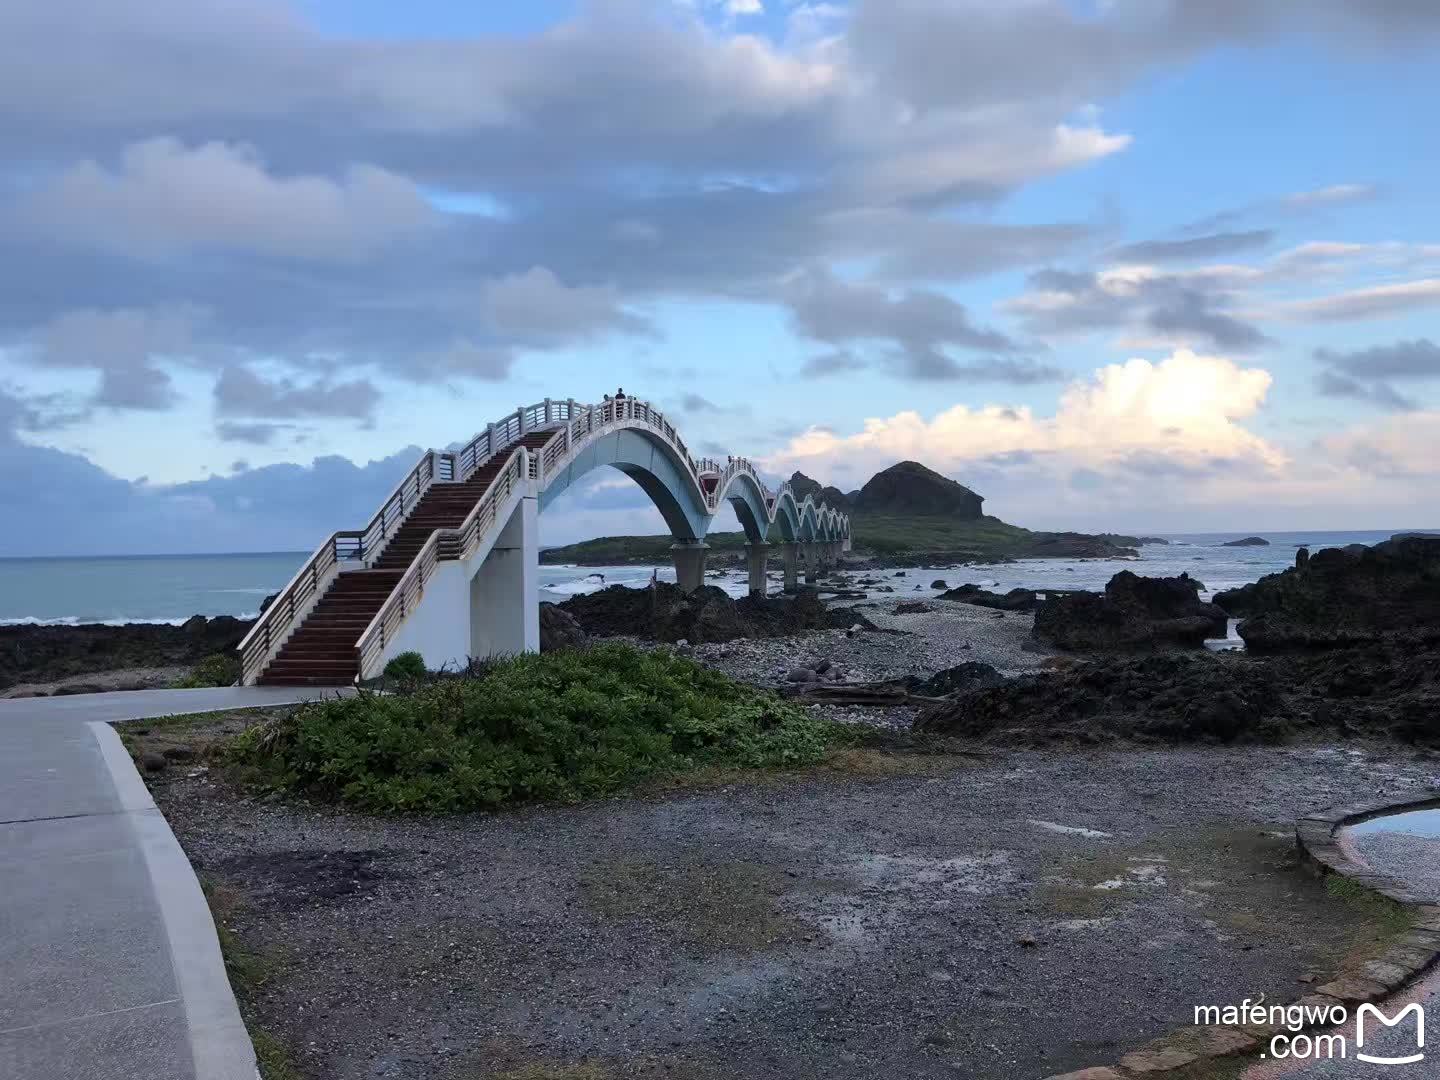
pixel 908 916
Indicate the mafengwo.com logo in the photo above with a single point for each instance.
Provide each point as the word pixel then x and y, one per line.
pixel 1320 1032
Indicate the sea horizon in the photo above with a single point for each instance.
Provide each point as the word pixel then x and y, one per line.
pixel 72 590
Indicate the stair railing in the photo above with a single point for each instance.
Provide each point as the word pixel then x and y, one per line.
pixel 304 590
pixel 448 544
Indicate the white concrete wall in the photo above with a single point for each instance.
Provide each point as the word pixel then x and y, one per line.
pixel 439 627
pixel 502 596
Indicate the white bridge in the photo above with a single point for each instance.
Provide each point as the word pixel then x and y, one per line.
pixel 449 565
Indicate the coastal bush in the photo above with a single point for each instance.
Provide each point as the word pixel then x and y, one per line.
pixel 406 666
pixel 562 725
pixel 221 669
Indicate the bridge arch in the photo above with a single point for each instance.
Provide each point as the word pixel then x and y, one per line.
pixel 653 464
pixel 747 499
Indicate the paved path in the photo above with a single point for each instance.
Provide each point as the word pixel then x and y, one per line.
pixel 109 965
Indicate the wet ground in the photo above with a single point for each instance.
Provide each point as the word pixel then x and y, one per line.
pixel 1003 916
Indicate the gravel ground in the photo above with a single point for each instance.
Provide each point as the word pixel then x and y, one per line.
pixel 924 643
pixel 993 917
pixel 94 682
pixel 1413 859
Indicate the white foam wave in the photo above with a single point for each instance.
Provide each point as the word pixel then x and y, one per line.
pixel 91 620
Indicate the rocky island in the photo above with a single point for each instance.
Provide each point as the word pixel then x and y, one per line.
pixel 905 515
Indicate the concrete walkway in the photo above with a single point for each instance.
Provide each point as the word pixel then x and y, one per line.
pixel 109 963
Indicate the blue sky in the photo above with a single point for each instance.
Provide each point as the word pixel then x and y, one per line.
pixel 1187 248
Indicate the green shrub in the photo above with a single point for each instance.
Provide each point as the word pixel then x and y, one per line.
pixel 560 725
pixel 221 669
pixel 408 666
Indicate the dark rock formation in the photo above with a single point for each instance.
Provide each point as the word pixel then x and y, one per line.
pixel 1344 596
pixel 50 653
pixel 1377 691
pixel 1133 614
pixel 1071 545
pixel 559 629
pixel 912 607
pixel 663 613
pixel 1014 600
pixel 803 485
pixel 971 675
pixel 910 489
pixel 1249 541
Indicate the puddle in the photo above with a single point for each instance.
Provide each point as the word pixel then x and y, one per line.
pixel 1424 823
pixel 1070 830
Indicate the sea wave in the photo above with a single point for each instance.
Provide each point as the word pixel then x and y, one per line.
pixel 91 620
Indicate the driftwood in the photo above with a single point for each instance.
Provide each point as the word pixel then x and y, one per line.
pixel 861 693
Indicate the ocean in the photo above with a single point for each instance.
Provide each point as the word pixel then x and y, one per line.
pixel 171 588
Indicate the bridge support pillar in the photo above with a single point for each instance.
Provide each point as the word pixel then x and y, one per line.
pixel 689 564
pixel 504 616
pixel 790 554
pixel 812 562
pixel 756 556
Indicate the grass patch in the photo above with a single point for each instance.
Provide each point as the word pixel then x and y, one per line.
pixel 731 905
pixel 248 972
pixel 221 669
pixel 554 726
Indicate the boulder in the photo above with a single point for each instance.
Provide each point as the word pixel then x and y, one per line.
pixel 1014 600
pixel 939 583
pixel 559 629
pixel 1133 614
pixel 662 612
pixel 1348 596
pixel 912 607
pixel 959 679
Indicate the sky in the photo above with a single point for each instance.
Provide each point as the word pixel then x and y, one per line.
pixel 1133 265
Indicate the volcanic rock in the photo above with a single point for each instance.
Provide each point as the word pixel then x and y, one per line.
pixel 1344 596
pixel 1134 614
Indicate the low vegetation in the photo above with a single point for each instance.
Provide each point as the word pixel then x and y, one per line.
pixel 408 665
pixel 554 726
pixel 221 669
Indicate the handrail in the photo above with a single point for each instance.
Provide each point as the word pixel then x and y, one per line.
pixel 457 544
pixel 574 425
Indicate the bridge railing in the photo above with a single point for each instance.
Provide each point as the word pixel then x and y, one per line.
pixel 575 423
pixel 459 543
pixel 353 548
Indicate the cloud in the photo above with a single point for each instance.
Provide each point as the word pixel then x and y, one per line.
pixel 1332 384
pixel 1405 359
pixel 1133 424
pixel 537 307
pixel 915 327
pixel 165 199
pixel 1361 374
pixel 126 346
pixel 1334 195
pixel 1373 302
pixel 241 392
pixel 1188 307
pixel 257 434
pixel 832 363
pixel 1198 247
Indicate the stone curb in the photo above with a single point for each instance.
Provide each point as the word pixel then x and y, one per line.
pixel 1317 838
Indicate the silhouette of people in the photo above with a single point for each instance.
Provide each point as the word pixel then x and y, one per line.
pixel 620 394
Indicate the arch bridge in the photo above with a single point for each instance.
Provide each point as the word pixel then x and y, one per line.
pixel 449 565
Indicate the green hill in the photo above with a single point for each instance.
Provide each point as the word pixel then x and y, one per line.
pixel 905 511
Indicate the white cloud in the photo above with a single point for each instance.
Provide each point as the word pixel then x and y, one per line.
pixel 165 198
pixel 1368 303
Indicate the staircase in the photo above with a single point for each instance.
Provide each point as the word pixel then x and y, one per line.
pixel 445 506
pixel 322 651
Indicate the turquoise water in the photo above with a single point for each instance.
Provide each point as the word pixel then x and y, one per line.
pixel 171 588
